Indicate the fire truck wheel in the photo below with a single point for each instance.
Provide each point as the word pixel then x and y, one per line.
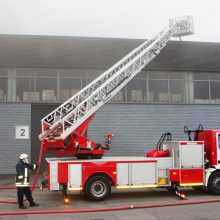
pixel 214 184
pixel 97 188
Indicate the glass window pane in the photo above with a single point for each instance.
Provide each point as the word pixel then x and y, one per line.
pixel 215 76
pixel 3 72
pixel 46 72
pixel 200 76
pixel 78 72
pixel 215 91
pixel 69 87
pixel 24 72
pixel 157 75
pixel 178 90
pixel 47 88
pixel 177 75
pixel 201 92
pixel 136 90
pixel 119 97
pixel 141 75
pixel 25 90
pixel 158 91
pixel 3 88
pixel 70 72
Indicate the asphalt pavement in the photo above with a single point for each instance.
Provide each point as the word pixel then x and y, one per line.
pixel 118 198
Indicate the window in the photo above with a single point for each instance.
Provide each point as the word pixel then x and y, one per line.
pixel 3 88
pixel 178 91
pixel 218 141
pixel 200 85
pixel 215 88
pixel 158 91
pixel 200 76
pixel 69 87
pixel 25 89
pixel 52 85
pixel 157 75
pixel 177 87
pixel 215 91
pixel 136 90
pixel 177 75
pixel 3 84
pixel 158 87
pixel 201 92
pixel 47 87
pixel 215 76
pixel 3 72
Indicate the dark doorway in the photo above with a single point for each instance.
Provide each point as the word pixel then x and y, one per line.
pixel 38 111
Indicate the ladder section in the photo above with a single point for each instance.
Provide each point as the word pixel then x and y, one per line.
pixel 72 113
pixel 54 118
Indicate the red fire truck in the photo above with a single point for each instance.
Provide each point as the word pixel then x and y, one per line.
pixel 173 164
pixel 189 163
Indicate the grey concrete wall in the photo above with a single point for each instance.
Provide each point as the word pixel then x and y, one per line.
pixel 138 127
pixel 10 148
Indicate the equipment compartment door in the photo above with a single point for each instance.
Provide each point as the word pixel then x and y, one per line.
pixel 122 174
pixel 75 176
pixel 143 173
pixel 192 155
pixel 137 174
pixel 191 177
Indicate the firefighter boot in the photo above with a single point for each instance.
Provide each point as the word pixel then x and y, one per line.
pixel 22 206
pixel 34 204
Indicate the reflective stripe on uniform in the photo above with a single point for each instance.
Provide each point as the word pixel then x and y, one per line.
pixel 34 166
pixel 20 177
pixel 23 185
pixel 25 176
pixel 25 172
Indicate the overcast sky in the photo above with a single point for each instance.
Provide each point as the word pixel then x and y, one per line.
pixel 107 18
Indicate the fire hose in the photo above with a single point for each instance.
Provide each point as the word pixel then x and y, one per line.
pixel 118 208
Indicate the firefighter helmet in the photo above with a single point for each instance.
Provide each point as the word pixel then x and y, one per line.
pixel 24 158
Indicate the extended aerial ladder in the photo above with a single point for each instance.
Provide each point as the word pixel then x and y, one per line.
pixel 64 128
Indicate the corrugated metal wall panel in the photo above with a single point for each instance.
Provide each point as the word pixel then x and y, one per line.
pixel 138 127
pixel 10 148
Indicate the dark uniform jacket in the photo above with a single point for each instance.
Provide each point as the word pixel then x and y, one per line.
pixel 23 175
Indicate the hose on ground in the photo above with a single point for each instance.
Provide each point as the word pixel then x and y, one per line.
pixel 118 208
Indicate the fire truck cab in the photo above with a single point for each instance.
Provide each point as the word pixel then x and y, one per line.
pixel 211 139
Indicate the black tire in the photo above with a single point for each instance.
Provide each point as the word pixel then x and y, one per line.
pixel 214 184
pixel 97 188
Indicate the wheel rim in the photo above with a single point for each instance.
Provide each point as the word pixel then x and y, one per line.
pixel 98 189
pixel 216 183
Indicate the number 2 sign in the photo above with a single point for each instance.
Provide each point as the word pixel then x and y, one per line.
pixel 21 132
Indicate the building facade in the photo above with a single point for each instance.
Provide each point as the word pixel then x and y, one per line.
pixel 181 86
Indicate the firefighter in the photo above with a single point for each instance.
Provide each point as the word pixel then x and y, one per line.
pixel 22 181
